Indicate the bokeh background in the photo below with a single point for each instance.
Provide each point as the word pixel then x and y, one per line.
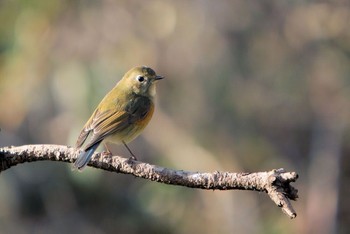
pixel 250 86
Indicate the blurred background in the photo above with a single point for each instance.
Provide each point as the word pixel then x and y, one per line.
pixel 250 86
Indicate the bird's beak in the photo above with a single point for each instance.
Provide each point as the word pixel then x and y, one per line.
pixel 159 77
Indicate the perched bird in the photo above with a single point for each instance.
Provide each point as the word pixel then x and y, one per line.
pixel 121 115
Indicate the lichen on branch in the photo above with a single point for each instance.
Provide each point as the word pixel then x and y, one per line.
pixel 276 183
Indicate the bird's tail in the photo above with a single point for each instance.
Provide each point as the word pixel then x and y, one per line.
pixel 84 157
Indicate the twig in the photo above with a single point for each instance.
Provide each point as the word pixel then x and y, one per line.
pixel 276 183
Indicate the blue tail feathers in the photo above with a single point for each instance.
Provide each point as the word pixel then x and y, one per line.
pixel 84 157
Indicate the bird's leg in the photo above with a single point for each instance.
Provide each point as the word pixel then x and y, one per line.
pixel 107 152
pixel 132 155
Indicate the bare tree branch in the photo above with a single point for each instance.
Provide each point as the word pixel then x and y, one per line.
pixel 276 183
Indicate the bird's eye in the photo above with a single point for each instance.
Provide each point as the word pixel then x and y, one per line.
pixel 140 78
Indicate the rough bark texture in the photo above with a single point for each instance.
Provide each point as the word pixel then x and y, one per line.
pixel 276 183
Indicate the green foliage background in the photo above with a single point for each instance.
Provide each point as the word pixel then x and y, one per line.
pixel 250 86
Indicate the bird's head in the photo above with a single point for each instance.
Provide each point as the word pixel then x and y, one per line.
pixel 141 81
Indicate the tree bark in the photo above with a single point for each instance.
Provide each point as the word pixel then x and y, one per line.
pixel 276 183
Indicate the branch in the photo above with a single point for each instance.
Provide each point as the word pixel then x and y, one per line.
pixel 276 183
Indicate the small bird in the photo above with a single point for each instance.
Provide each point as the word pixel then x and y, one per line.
pixel 121 115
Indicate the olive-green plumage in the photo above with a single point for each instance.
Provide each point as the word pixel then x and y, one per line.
pixel 121 115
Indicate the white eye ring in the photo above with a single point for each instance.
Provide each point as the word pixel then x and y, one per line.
pixel 140 78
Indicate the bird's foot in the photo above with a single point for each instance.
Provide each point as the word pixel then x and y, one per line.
pixel 107 153
pixel 132 158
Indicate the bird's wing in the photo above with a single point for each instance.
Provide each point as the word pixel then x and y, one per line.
pixel 82 137
pixel 110 121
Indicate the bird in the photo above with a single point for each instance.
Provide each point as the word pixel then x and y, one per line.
pixel 121 115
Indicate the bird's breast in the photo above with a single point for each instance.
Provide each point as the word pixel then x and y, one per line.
pixel 140 114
